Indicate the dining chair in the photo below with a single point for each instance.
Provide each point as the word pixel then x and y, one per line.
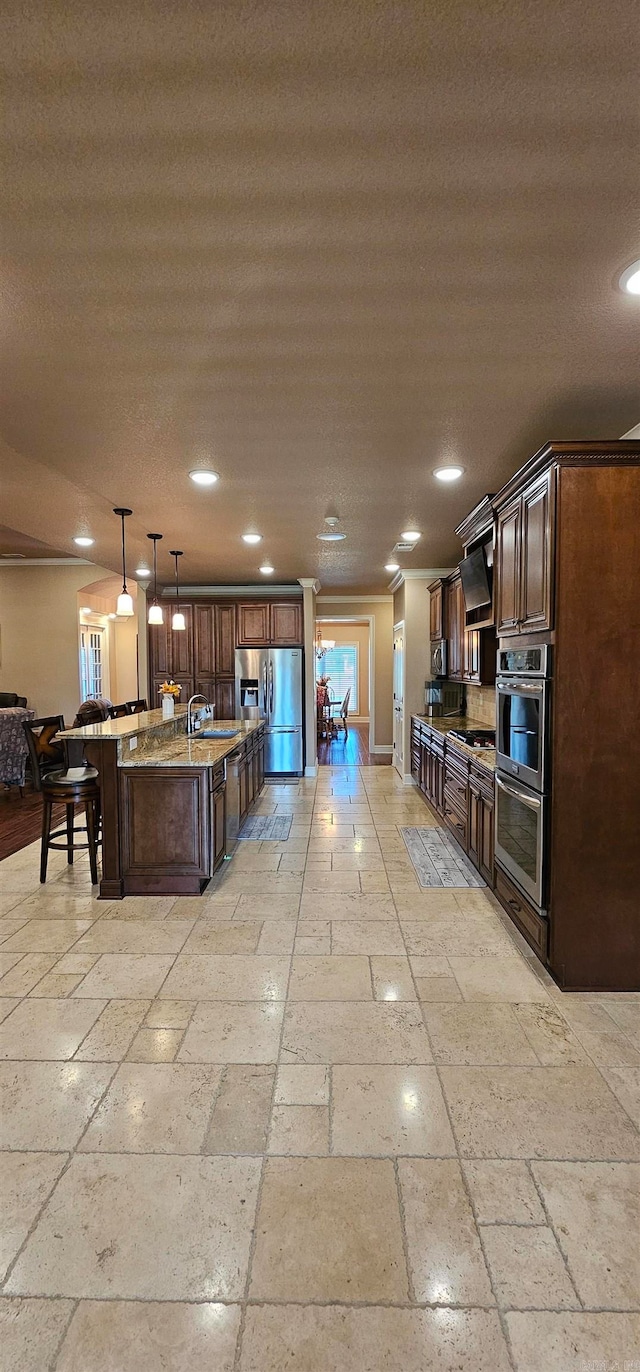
pixel 136 707
pixel 339 719
pixel 47 754
pixel 119 711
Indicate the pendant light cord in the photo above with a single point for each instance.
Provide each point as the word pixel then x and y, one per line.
pixel 124 569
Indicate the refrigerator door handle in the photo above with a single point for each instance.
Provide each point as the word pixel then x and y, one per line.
pixel 270 688
pixel 264 688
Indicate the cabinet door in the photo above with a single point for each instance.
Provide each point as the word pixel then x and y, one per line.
pixel 475 823
pixel 218 826
pixel 160 649
pixel 225 699
pixel 436 620
pixel 205 686
pixel 253 624
pixel 455 629
pixel 508 568
pixel 225 621
pixel 182 647
pixel 486 847
pixel 471 655
pixel 286 623
pixel 204 643
pixel 536 575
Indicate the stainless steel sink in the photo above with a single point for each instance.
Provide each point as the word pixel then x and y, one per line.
pixel 215 733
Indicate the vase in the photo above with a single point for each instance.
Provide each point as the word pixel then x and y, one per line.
pixel 168 706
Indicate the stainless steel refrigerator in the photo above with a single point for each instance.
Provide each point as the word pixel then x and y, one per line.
pixel 269 687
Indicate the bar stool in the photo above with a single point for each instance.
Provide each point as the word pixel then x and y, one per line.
pixel 59 788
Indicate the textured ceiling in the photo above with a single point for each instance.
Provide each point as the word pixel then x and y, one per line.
pixel 319 247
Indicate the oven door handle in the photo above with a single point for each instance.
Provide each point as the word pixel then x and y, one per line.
pixel 529 801
pixel 513 687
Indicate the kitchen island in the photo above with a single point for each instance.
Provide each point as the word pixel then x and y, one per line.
pixel 164 798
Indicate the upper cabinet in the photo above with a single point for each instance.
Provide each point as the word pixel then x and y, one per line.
pixel 454 618
pixel 225 639
pixel 204 636
pixel 277 624
pixel 524 553
pixel 436 611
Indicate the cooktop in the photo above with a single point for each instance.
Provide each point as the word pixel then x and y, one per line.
pixel 476 738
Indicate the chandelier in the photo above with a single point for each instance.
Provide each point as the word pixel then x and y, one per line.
pixel 323 645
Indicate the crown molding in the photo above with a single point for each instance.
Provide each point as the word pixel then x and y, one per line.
pixel 46 562
pixel 259 591
pixel 310 583
pixel 419 574
pixel 353 599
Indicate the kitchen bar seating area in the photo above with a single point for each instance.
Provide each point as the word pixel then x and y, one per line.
pixel 319 683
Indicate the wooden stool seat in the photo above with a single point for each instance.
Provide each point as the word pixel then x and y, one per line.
pixel 58 788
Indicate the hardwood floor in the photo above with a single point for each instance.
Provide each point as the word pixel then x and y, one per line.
pixel 21 819
pixel 352 750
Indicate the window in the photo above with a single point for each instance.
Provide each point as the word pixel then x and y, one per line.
pixel 341 665
pixel 91 662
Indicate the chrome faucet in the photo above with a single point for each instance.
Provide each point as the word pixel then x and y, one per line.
pixel 190 728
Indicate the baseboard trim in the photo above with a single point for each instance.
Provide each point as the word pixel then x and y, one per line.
pixel 311 771
pixel 408 780
pixel 381 748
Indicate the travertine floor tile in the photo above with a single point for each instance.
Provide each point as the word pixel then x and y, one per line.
pixel 7 1004
pixel 43 1029
pixel 299 1129
pixel 625 1083
pixel 595 1210
pixel 440 989
pixel 111 1336
pixel 23 971
pixel 212 937
pixel 233 1032
pixel 240 1119
pixel 46 936
pixel 213 977
pixel 113 1227
pixel 278 936
pixel 537 1112
pixel 389 1110
pixel 330 978
pixel 320 1339
pixel 170 1014
pixel 503 1193
pixel 302 1086
pixel 392 979
pixel 125 975
pixel 155 1045
pixel 527 1269
pixel 46 1105
pixel 30 1333
pixel 347 905
pixel 605 1042
pixel 496 978
pixel 113 1032
pixel 25 1182
pixel 367 936
pixel 154 1108
pixel 473 940
pixel 328 1229
pixel 549 1034
pixel 134 936
pixel 484 1033
pixel 354 1031
pixel 445 1255
pixel 546 1342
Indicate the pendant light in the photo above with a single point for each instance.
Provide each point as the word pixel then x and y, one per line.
pixel 125 601
pixel 156 615
pixel 178 618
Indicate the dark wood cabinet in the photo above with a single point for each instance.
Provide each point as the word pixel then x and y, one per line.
pixel 182 647
pixel 454 612
pixel 277 624
pixel 218 818
pixel 436 611
pixel 165 829
pixel 225 698
pixel 204 642
pixel 458 789
pixel 225 622
pixel 253 624
pixel 481 821
pixel 286 623
pixel 524 570
pixel 159 653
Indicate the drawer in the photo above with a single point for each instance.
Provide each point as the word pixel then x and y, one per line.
pixel 456 822
pixel 534 928
pixel 456 793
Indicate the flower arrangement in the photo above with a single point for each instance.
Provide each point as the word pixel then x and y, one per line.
pixel 324 680
pixel 170 688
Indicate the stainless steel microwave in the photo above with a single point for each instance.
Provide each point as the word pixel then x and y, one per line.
pixel 439 658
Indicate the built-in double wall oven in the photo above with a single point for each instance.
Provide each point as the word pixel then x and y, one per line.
pixel 523 695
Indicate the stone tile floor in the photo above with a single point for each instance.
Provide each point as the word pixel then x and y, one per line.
pixel 316 1119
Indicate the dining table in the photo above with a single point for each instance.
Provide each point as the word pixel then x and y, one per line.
pixel 14 749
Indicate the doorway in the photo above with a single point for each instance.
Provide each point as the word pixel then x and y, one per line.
pixel 398 697
pixel 348 664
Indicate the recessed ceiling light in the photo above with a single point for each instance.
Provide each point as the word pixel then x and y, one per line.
pixel 252 538
pixel 392 566
pixel 411 535
pixel 204 478
pixel 85 610
pixel 448 473
pixel 83 542
pixel 266 569
pixel 630 280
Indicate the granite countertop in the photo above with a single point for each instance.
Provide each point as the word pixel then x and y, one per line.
pixel 129 724
pixel 443 724
pixel 184 750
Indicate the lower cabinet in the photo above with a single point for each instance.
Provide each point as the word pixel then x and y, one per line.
pixel 165 831
pixel 218 818
pixel 459 790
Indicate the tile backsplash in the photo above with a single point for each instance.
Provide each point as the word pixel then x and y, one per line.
pixel 481 704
